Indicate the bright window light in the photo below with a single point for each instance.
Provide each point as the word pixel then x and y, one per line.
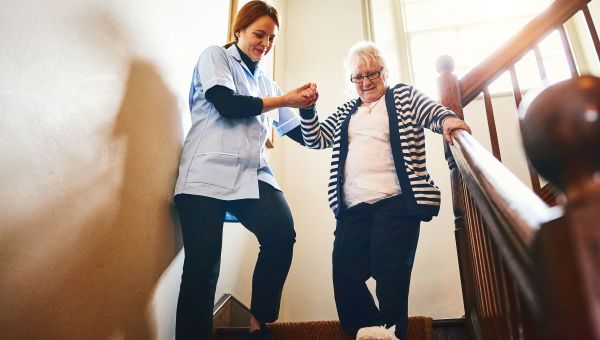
pixel 467 30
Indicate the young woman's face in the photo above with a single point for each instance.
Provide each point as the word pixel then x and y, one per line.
pixel 257 39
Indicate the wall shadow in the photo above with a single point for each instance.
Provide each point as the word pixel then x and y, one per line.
pixel 94 277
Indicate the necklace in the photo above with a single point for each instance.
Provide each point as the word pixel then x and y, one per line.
pixel 370 107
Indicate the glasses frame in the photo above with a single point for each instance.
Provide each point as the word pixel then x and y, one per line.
pixel 369 75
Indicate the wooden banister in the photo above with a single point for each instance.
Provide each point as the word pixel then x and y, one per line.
pixel 500 188
pixel 513 213
pixel 529 270
pixel 510 52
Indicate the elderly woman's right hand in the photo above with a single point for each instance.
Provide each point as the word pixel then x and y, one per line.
pixel 452 123
pixel 304 96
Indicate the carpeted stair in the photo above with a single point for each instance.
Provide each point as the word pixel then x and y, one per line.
pixel 419 328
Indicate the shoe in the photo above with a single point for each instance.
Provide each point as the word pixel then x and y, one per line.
pixel 376 333
pixel 264 333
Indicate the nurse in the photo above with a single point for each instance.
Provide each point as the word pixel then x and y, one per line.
pixel 223 169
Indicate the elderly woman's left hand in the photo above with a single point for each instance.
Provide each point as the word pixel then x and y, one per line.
pixel 451 124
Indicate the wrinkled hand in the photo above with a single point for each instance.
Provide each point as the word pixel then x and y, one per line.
pixel 304 96
pixel 451 124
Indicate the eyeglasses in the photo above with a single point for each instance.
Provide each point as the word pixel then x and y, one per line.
pixel 371 75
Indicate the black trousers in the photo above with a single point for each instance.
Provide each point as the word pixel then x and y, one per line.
pixel 374 240
pixel 269 218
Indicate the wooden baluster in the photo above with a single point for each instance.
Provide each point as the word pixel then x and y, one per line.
pixel 467 259
pixel 561 134
pixel 495 273
pixel 535 180
pixel 592 29
pixel 478 259
pixel 484 270
pixel 540 64
pixel 479 292
pixel 515 308
pixel 490 278
pixel 505 303
pixel 530 324
pixel 489 111
pixel 515 84
pixel 568 53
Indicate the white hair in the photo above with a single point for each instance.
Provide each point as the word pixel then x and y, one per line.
pixel 366 52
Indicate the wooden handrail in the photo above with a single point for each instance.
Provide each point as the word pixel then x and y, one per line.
pixel 512 211
pixel 510 52
pixel 502 189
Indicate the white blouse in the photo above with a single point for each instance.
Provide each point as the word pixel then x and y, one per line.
pixel 369 174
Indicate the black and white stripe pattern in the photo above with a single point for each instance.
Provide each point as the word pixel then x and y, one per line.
pixel 412 111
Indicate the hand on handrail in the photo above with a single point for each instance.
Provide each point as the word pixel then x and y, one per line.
pixel 451 124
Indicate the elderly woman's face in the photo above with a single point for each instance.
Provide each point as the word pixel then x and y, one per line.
pixel 370 82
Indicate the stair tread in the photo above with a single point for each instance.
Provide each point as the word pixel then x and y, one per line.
pixel 419 328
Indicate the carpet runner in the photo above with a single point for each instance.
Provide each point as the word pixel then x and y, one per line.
pixel 419 328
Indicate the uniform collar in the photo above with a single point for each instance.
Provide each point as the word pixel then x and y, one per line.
pixel 233 51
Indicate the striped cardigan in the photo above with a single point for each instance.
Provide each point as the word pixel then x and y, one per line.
pixel 408 110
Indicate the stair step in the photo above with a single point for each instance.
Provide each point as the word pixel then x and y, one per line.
pixel 419 328
pixel 449 329
pixel 230 333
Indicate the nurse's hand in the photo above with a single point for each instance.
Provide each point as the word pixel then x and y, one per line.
pixel 304 96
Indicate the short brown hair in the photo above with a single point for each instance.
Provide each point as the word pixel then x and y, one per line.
pixel 249 13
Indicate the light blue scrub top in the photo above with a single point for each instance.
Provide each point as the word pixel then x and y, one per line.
pixel 222 157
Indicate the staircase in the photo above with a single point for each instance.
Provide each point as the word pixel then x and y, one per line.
pixel 231 318
pixel 529 256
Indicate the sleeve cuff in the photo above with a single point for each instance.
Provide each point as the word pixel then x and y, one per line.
pixel 308 112
pixel 288 125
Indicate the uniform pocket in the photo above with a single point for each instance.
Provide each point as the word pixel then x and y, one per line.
pixel 215 168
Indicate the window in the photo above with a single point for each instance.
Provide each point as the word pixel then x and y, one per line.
pixel 467 30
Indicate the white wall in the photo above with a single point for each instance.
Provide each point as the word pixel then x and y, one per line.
pixel 92 98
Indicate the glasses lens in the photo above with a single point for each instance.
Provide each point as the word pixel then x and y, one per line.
pixel 370 75
pixel 373 75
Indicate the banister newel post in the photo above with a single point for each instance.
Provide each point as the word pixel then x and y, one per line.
pixel 561 136
pixel 448 88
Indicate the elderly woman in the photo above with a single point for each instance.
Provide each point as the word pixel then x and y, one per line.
pixel 379 190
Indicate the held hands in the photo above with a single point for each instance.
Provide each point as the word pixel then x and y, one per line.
pixel 303 97
pixel 451 124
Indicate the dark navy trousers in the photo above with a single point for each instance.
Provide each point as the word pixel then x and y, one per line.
pixel 268 218
pixel 374 240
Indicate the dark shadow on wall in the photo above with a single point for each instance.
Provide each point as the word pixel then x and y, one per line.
pixel 147 235
pixel 100 283
pixel 92 275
